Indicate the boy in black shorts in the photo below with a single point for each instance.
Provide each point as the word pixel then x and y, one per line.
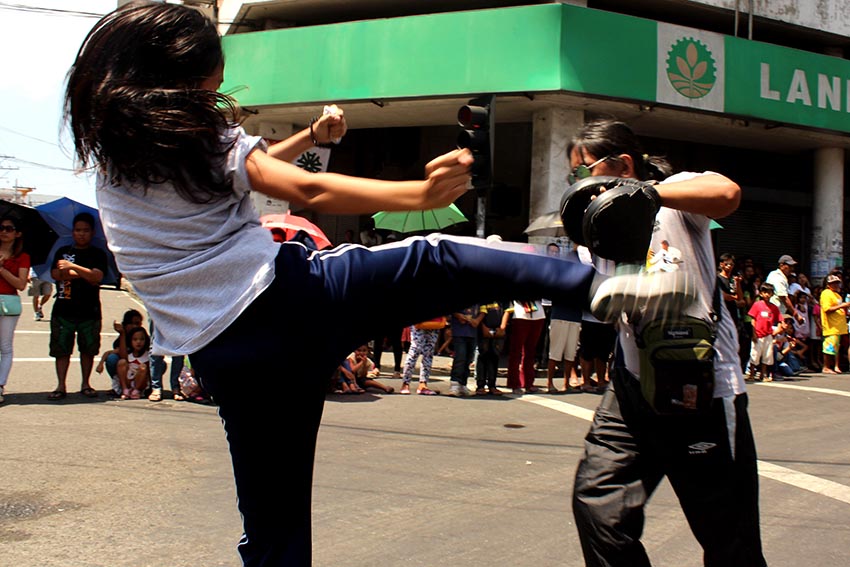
pixel 78 270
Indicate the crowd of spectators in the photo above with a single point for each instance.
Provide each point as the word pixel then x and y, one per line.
pixel 786 324
pixel 526 337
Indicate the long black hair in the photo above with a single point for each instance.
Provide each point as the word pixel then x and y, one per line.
pixel 607 137
pixel 15 219
pixel 135 103
pixel 132 332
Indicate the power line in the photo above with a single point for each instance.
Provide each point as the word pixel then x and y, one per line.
pixel 44 165
pixel 61 12
pixel 28 136
pixel 48 11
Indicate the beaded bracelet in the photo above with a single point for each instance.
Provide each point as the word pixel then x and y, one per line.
pixel 313 134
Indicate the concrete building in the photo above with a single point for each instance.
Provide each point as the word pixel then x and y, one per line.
pixel 757 90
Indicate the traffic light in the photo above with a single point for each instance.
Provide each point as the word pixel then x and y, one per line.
pixel 477 122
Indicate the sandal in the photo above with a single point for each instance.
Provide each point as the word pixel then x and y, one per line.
pixel 178 397
pixel 426 392
pixel 405 389
pixel 89 392
pixel 156 395
pixel 56 395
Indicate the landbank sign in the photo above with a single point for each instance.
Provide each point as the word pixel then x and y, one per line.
pixel 539 48
pixel 710 71
pixel 787 85
pixel 704 70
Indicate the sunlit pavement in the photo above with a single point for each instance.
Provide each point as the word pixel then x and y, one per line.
pixel 400 480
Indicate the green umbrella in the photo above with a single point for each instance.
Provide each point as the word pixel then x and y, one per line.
pixel 417 221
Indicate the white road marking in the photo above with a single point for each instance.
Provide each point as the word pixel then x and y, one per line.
pixel 44 359
pixel 22 332
pixel 785 475
pixel 805 481
pixel 806 389
pixel 558 405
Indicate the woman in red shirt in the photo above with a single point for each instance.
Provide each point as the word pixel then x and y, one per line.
pixel 14 268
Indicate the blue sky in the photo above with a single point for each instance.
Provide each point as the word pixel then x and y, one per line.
pixel 36 50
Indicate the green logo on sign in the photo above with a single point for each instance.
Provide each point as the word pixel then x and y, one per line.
pixel 691 68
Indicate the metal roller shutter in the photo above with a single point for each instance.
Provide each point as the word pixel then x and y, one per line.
pixel 764 232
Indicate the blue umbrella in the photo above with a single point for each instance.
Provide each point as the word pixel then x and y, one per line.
pixel 59 214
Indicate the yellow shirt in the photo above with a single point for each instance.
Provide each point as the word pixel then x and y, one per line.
pixel 834 323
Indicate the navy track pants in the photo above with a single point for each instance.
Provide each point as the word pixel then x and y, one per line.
pixel 320 306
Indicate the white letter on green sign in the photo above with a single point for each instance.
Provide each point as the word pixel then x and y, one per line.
pixel 799 89
pixel 829 92
pixel 766 92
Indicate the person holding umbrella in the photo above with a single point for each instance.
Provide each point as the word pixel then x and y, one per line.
pixel 14 269
pixel 176 173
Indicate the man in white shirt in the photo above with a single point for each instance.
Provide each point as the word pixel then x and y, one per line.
pixel 778 278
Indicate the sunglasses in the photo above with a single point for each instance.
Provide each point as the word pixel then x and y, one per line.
pixel 583 171
pixel 8 228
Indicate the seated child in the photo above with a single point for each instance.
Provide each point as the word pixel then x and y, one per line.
pixel 786 349
pixel 109 361
pixel 358 372
pixel 346 382
pixel 133 371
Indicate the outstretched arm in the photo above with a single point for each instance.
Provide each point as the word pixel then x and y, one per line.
pixel 447 179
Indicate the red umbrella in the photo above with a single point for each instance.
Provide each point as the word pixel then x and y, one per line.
pixel 291 224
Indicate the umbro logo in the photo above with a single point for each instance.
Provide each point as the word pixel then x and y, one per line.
pixel 701 448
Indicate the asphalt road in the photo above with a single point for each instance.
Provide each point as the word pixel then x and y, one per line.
pixel 400 480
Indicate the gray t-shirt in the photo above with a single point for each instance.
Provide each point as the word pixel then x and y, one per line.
pixel 690 234
pixel 195 266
